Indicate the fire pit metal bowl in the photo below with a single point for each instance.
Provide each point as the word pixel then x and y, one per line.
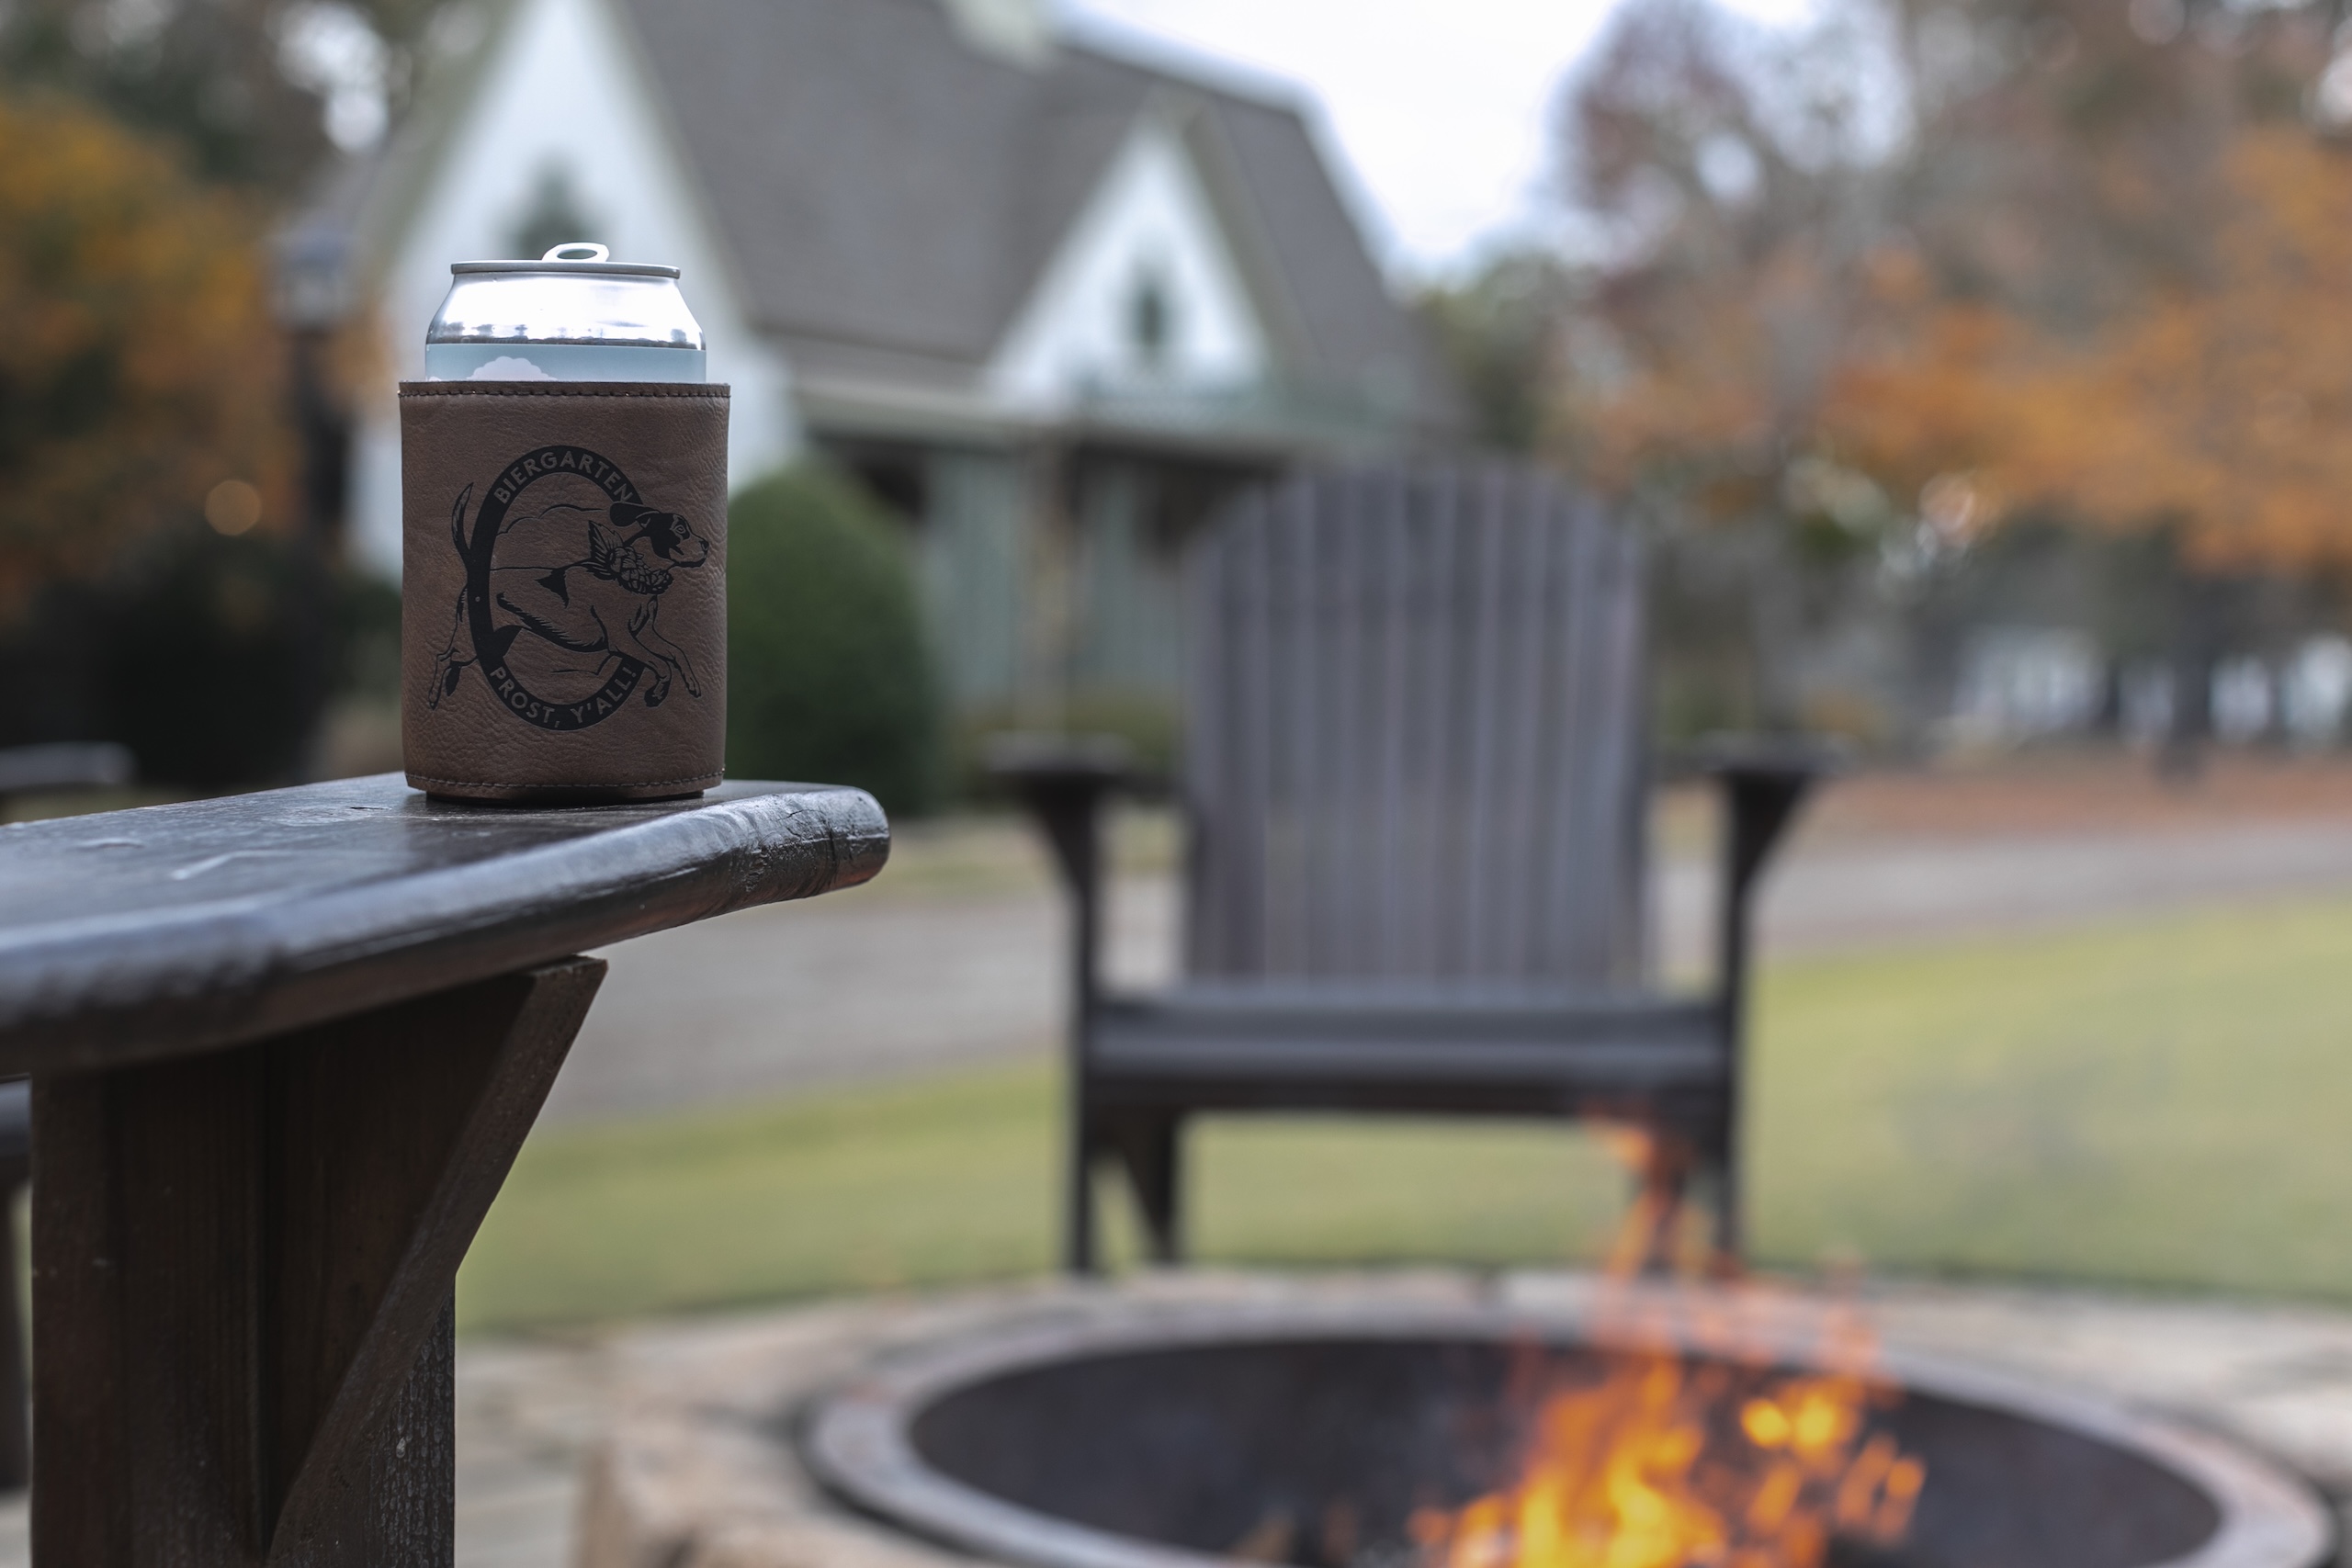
pixel 1171 1435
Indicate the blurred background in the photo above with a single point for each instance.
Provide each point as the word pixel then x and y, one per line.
pixel 1974 366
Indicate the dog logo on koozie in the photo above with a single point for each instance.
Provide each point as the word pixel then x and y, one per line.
pixel 562 599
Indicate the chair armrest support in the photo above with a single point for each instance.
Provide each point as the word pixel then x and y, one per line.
pixel 1764 779
pixel 1062 781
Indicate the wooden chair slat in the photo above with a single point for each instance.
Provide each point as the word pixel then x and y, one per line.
pixel 1295 887
pixel 1416 723
pixel 1409 890
pixel 1571 714
pixel 1572 865
pixel 1482 626
pixel 1346 643
pixel 1217 796
pixel 1539 587
pixel 1324 658
pixel 1628 787
pixel 1383 741
pixel 1246 808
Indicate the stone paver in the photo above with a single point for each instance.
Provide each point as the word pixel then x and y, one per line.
pixel 691 1476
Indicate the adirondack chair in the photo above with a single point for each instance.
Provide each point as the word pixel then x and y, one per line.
pixel 32 770
pixel 1416 779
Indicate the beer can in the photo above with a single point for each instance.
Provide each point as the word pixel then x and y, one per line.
pixel 573 315
pixel 563 498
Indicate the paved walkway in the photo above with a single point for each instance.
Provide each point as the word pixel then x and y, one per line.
pixel 955 955
pixel 2280 1379
pixel 529 1414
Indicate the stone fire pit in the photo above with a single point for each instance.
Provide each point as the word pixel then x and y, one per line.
pixel 1147 1426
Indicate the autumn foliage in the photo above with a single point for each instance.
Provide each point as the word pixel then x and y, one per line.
pixel 139 365
pixel 2223 403
pixel 2095 261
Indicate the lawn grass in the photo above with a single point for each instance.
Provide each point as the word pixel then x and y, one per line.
pixel 2162 1103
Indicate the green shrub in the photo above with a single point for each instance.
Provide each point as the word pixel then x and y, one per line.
pixel 828 677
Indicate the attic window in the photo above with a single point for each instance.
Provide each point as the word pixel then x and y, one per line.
pixel 1148 318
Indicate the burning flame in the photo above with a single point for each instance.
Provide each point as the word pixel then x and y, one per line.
pixel 1664 1462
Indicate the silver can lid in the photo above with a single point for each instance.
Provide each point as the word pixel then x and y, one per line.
pixel 574 294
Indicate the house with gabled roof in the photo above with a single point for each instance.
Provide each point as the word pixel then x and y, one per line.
pixel 1051 304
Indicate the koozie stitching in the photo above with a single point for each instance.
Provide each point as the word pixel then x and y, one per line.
pixel 612 783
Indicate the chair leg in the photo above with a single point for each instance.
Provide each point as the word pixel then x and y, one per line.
pixel 1151 1148
pixel 16 1464
pixel 1077 1198
pixel 1723 1166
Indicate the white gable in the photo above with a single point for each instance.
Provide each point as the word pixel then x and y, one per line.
pixel 561 101
pixel 1017 31
pixel 1145 294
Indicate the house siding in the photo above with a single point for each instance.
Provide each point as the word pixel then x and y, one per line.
pixel 973 552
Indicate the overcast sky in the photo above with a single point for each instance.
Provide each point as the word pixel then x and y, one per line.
pixel 1439 106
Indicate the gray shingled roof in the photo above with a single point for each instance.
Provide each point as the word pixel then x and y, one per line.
pixel 890 194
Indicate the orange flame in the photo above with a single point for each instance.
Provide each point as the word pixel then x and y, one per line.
pixel 1664 1462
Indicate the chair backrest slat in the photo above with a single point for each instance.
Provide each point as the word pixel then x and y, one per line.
pixel 1416 741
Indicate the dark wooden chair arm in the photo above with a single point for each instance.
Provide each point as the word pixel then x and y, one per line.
pixel 285 1048
pixel 1063 781
pixel 1764 779
pixel 1723 755
pixel 178 930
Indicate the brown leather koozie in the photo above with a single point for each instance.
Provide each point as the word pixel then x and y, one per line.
pixel 564 620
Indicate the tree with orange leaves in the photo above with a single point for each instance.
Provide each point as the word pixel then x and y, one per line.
pixel 2090 261
pixel 140 370
pixel 2222 406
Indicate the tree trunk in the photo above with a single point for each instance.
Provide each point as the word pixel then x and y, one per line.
pixel 1776 626
pixel 2196 622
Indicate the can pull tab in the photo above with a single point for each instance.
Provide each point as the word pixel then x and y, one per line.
pixel 578 250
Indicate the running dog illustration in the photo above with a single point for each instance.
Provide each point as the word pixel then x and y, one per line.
pixel 585 583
